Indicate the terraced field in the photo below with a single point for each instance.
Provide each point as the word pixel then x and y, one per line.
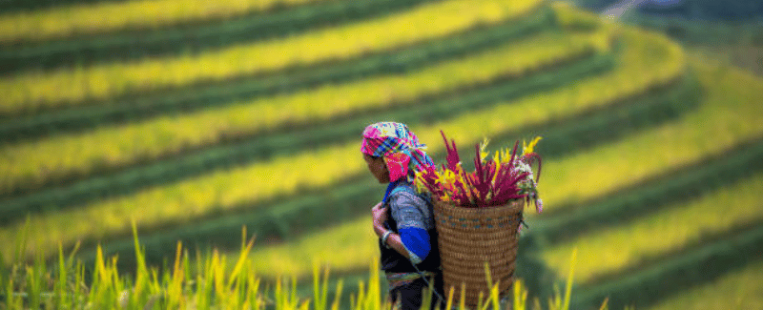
pixel 72 36
pixel 652 157
pixel 738 290
pixel 35 89
pixel 172 134
pixel 85 19
pixel 602 252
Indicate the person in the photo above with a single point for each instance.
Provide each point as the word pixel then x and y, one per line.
pixel 403 220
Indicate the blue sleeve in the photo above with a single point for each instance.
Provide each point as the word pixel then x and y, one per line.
pixel 413 220
pixel 416 242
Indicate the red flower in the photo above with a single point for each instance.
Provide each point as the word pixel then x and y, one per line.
pixel 493 183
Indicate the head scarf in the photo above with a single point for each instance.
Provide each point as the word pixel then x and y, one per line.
pixel 399 147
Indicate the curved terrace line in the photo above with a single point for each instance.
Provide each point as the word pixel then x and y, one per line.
pixel 56 121
pixel 182 40
pixel 467 119
pixel 168 136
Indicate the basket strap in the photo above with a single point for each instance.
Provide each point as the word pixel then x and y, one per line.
pixel 402 188
pixel 409 189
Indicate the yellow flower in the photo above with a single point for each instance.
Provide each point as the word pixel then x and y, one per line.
pixel 497 162
pixel 527 149
pixel 483 146
pixel 505 156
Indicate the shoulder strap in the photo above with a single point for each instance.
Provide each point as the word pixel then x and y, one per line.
pixel 404 188
pixel 410 190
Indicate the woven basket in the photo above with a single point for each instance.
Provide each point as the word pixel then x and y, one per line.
pixel 470 237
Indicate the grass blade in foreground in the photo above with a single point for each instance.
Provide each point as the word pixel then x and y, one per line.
pixel 208 282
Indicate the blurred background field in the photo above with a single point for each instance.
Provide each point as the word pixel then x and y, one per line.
pixel 195 118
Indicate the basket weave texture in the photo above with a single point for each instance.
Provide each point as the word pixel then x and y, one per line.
pixel 470 237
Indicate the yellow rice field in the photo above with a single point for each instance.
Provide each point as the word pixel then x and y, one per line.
pixel 603 251
pixel 85 19
pixel 737 290
pixel 225 189
pixel 63 87
pixel 730 113
pixel 34 163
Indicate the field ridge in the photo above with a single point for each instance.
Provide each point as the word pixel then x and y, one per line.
pixel 134 107
pixel 241 151
pixel 30 91
pixel 283 218
pixel 660 192
pixel 192 38
pixel 651 156
pixel 697 266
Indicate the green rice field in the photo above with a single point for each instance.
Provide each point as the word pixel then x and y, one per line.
pixel 652 155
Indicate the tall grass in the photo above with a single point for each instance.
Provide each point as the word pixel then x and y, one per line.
pixel 67 86
pixel 604 251
pixel 28 165
pixel 225 190
pixel 210 281
pixel 87 19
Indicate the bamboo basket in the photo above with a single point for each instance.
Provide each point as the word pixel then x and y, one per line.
pixel 470 237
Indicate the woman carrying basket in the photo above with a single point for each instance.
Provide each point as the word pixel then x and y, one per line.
pixel 403 220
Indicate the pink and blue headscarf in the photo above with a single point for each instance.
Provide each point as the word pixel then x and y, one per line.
pixel 399 147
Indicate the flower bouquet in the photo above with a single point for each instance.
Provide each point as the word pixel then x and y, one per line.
pixel 478 215
pixel 496 182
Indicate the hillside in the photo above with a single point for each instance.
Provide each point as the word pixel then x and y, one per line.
pixel 731 11
pixel 214 117
pixel 728 31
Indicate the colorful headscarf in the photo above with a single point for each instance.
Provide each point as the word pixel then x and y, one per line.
pixel 399 147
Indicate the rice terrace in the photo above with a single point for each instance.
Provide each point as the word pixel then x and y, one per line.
pixel 227 134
